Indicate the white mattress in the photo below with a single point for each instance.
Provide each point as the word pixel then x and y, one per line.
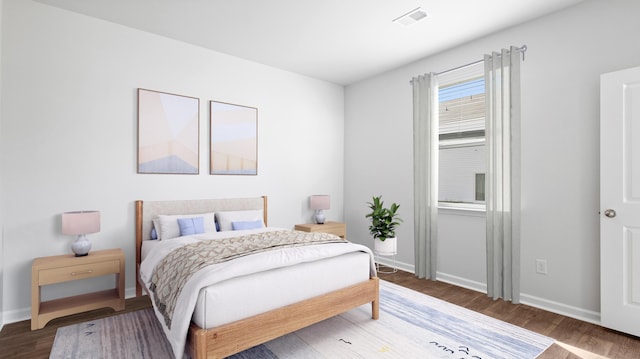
pixel 245 296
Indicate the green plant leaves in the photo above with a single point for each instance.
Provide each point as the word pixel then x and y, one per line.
pixel 383 220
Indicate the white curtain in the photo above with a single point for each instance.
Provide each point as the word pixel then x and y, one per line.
pixel 425 173
pixel 502 91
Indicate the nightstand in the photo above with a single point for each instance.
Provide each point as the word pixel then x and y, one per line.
pixel 337 228
pixel 65 268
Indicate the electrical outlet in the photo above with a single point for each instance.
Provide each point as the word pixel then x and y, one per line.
pixel 541 266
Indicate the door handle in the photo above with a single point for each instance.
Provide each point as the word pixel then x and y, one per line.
pixel 610 213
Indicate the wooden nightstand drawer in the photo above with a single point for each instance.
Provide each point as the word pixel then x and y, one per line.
pixel 64 274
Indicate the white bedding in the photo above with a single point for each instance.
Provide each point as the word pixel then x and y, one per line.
pixel 233 282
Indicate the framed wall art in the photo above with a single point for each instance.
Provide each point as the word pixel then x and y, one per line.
pixel 234 139
pixel 168 133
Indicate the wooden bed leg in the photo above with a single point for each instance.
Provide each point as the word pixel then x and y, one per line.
pixel 375 309
pixel 375 304
pixel 196 343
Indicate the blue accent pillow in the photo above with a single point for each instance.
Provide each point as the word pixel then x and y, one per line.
pixel 236 226
pixel 154 234
pixel 191 225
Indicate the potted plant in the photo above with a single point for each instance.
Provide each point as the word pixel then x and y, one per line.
pixel 383 226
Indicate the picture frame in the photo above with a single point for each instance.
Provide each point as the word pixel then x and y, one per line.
pixel 233 139
pixel 168 133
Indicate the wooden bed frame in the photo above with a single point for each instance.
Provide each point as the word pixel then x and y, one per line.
pixel 228 339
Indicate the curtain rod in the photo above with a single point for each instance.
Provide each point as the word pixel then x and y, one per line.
pixel 522 49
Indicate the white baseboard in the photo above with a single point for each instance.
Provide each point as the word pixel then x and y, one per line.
pixel 17 315
pixel 560 308
pixel 530 300
pixel 461 282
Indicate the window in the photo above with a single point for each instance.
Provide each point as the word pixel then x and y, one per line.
pixel 462 139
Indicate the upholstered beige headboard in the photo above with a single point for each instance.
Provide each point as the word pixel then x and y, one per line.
pixel 148 210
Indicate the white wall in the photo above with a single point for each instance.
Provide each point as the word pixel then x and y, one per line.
pixel 462 255
pixel 560 119
pixel 68 139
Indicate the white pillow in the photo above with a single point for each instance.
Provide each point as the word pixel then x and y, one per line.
pixel 168 224
pixel 225 219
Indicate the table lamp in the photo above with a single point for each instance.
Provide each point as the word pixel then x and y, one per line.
pixel 81 223
pixel 319 203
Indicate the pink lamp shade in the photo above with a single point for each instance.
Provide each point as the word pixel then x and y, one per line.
pixel 319 203
pixel 81 223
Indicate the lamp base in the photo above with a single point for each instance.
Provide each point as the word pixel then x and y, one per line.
pixel 81 246
pixel 320 216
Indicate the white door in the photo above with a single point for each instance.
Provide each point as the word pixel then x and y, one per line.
pixel 620 200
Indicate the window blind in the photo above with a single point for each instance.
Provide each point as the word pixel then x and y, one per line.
pixel 462 109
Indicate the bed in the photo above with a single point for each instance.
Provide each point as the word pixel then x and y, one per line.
pixel 317 289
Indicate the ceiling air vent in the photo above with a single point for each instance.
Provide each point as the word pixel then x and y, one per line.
pixel 411 17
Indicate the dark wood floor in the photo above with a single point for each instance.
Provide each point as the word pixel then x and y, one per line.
pixel 578 339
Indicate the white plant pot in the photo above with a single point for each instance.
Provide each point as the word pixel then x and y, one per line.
pixel 387 247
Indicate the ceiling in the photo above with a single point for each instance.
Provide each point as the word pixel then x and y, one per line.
pixel 341 41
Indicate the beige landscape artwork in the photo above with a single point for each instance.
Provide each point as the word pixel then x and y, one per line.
pixel 168 133
pixel 234 139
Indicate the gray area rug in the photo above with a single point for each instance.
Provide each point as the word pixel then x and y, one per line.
pixel 411 325
pixel 130 335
